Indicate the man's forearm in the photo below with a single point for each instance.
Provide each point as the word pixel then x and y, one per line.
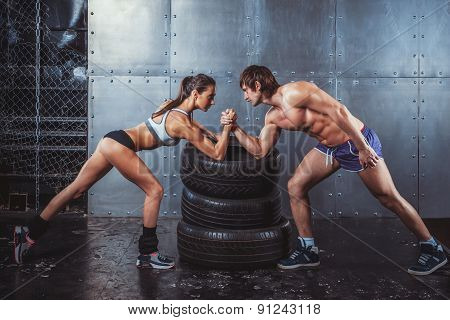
pixel 343 120
pixel 250 143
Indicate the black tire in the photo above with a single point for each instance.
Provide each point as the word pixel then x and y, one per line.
pixel 231 214
pixel 239 176
pixel 235 249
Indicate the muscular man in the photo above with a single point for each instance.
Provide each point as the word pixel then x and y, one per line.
pixel 344 142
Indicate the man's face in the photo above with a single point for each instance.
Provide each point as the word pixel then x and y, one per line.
pixel 252 96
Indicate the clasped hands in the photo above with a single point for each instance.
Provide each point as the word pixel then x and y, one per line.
pixel 228 117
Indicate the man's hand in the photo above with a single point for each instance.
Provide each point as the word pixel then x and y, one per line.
pixel 228 117
pixel 368 158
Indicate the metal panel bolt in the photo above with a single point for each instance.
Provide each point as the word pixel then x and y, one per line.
pixel 92 71
pixel 257 118
pixel 175 16
pixel 92 116
pixel 174 194
pixel 247 119
pixel 423 156
pixel 340 213
pixel 423 137
pixel 413 137
pixel 92 13
pixel 330 213
pixel 129 71
pixel 292 72
pixel 375 213
pixel 339 194
pixel 165 34
pixel 339 175
pixel 165 16
pixel 415 72
pixel 423 175
pixel 257 35
pixel 92 135
pixel 330 194
pixel 147 71
pixel 414 55
pixel 414 118
pixel 174 212
pixel 423 100
pixel 423 36
pixel 440 73
pixel 174 34
pixel 92 32
pixel 128 212
pixel 174 175
pixel 165 157
pixel 92 212
pixel 413 156
pixel 92 97
pixel 109 212
pixel 414 194
pixel 165 194
pixel 91 193
pixel 92 51
pixel 165 175
pixel 165 212
pixel 356 213
pixel 414 36
pixel 422 117
pixel 395 73
pixel 413 175
pixel 92 80
pixel 422 55
pixel 422 195
pixel 174 157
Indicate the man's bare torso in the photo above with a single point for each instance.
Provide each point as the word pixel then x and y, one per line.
pixel 298 112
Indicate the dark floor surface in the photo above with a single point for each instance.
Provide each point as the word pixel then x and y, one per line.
pixel 95 259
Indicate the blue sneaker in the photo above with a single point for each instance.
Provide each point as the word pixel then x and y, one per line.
pixel 431 258
pixel 301 257
pixel 22 243
pixel 154 260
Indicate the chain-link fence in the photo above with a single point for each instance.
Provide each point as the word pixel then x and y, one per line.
pixel 43 104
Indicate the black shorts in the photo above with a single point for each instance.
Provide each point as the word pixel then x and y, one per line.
pixel 121 137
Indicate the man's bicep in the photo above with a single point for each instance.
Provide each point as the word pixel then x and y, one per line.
pixel 268 137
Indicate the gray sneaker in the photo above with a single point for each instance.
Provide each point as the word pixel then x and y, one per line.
pixel 154 260
pixel 431 258
pixel 22 243
pixel 301 257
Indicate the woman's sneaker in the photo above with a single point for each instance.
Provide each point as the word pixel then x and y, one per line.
pixel 154 260
pixel 431 258
pixel 301 257
pixel 22 243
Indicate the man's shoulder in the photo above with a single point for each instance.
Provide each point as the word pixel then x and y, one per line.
pixel 296 85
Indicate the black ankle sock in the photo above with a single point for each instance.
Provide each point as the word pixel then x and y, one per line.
pixel 148 232
pixel 37 227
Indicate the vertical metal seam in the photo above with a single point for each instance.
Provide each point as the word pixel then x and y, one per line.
pixel 418 111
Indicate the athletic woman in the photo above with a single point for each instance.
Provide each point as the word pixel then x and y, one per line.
pixel 172 122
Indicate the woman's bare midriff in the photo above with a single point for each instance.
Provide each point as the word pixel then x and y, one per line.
pixel 142 138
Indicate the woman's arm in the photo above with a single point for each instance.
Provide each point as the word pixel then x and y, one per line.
pixel 193 133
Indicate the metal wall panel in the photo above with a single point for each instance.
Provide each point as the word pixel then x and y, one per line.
pixel 210 37
pixel 377 38
pixel 142 45
pixel 119 103
pixel 434 139
pixel 434 39
pixel 390 107
pixel 296 37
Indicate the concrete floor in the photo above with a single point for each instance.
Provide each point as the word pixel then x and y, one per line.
pixel 95 259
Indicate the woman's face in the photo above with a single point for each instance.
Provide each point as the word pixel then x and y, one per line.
pixel 206 99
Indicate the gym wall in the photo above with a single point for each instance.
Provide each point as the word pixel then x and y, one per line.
pixel 385 60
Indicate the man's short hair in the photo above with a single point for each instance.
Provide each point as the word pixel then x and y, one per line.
pixel 263 75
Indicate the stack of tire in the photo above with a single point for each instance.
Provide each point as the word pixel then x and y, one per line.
pixel 231 210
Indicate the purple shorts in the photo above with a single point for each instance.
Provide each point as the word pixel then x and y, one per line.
pixel 347 154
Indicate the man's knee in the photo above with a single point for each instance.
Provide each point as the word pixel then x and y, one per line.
pixel 296 188
pixel 389 199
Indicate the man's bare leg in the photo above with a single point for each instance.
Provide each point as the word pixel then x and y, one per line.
pixel 310 172
pixel 379 181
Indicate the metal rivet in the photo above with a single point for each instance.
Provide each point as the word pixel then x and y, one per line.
pixel 147 71
pixel 356 213
pixel 92 32
pixel 92 51
pixel 92 13
pixel 112 81
pixel 92 97
pixel 330 194
pixel 174 194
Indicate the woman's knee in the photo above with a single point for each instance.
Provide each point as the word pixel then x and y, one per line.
pixel 155 191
